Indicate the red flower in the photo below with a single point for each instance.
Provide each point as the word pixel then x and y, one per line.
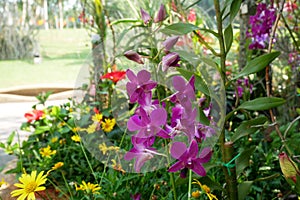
pixel 114 76
pixel 34 115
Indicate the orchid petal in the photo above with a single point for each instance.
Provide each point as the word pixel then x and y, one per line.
pixel 178 149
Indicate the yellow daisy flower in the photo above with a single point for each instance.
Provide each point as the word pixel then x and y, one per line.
pixel 47 152
pixel 2 182
pixel 54 139
pixel 88 187
pixel 103 148
pixel 206 190
pixel 92 128
pixel 57 165
pixel 29 185
pixel 108 125
pixel 76 138
pixel 97 117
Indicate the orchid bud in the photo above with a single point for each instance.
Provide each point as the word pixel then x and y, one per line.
pixel 288 167
pixel 145 16
pixel 170 60
pixel 134 56
pixel 161 14
pixel 170 42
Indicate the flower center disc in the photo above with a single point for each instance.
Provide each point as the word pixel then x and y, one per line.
pixel 30 187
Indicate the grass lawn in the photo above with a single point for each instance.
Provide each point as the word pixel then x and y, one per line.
pixel 64 53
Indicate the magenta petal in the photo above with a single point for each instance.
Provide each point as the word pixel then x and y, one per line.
pixel 140 160
pixel 130 155
pixel 149 85
pixel 205 155
pixel 158 117
pixel 193 149
pixel 178 149
pixel 130 75
pixel 198 168
pixel 179 83
pixel 130 87
pixel 177 166
pixel 134 123
pixel 143 76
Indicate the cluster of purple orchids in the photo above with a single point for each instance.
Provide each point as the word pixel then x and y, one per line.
pixel 150 122
pixel 261 26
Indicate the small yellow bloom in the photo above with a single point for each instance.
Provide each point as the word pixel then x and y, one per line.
pixel 54 139
pixel 47 152
pixel 196 194
pixel 118 166
pixel 76 138
pixel 88 187
pixel 29 185
pixel 75 129
pixel 97 117
pixel 108 125
pixel 92 128
pixel 2 182
pixel 206 189
pixel 103 148
pixel 57 165
pixel 62 141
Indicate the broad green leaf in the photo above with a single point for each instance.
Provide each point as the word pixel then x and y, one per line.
pixel 262 103
pixel 257 64
pixel 189 57
pixel 41 129
pixel 200 84
pixel 228 34
pixel 244 188
pixel 243 160
pixel 248 127
pixel 179 29
pixel 234 8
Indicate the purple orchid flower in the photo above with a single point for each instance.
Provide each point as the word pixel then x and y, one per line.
pixel 136 196
pixel 187 157
pixel 134 56
pixel 169 43
pixel 145 16
pixel 141 150
pixel 139 84
pixel 204 132
pixel 185 91
pixel 149 125
pixel 170 60
pixel 161 15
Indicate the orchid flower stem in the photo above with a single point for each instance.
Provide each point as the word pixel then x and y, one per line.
pixel 171 174
pixel 190 184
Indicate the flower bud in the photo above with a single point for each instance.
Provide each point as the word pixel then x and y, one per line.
pixel 145 16
pixel 134 56
pixel 170 60
pixel 288 167
pixel 161 14
pixel 170 42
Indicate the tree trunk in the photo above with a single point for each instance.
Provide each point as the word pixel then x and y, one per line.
pixel 46 22
pixel 61 14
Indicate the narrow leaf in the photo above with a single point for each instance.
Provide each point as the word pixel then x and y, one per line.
pixel 247 128
pixel 179 29
pixel 228 34
pixel 234 8
pixel 262 103
pixel 11 138
pixel 258 64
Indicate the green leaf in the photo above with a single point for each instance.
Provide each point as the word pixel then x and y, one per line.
pixel 248 127
pixel 257 64
pixel 41 129
pixel 243 160
pixel 200 84
pixel 234 8
pixel 11 138
pixel 244 188
pixel 228 34
pixel 179 29
pixel 125 20
pixel 262 103
pixel 209 31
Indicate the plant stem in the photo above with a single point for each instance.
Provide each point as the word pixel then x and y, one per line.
pixel 190 184
pixel 67 185
pixel 171 174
